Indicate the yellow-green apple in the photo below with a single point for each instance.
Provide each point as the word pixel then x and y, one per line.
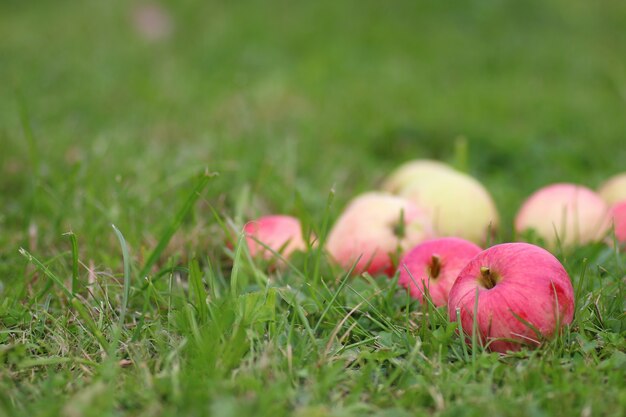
pixel 567 213
pixel 432 266
pixel 280 233
pixel 514 295
pixel 614 189
pixel 373 229
pixel 617 215
pixel 409 171
pixel 457 203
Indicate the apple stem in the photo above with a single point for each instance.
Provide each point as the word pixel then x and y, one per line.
pixel 435 266
pixel 489 279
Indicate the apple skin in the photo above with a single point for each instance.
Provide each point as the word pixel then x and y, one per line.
pixel 530 284
pixel 571 212
pixel 445 257
pixel 406 173
pixel 458 204
pixel 617 215
pixel 367 228
pixel 281 233
pixel 614 189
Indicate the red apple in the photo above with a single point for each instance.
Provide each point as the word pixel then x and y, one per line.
pixel 434 265
pixel 617 215
pixel 516 290
pixel 569 213
pixel 374 227
pixel 280 233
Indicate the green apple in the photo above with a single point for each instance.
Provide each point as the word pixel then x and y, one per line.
pixel 457 203
pixel 407 173
pixel 614 189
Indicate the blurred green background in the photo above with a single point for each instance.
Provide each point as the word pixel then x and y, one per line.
pixel 126 100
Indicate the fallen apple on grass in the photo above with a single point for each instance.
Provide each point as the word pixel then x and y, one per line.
pixel 614 189
pixel 617 215
pixel 457 203
pixel 518 294
pixel 431 267
pixel 407 173
pixel 567 213
pixel 373 228
pixel 275 233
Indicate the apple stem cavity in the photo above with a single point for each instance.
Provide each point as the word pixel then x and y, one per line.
pixel 488 278
pixel 435 267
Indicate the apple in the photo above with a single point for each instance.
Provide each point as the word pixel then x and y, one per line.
pixel 280 233
pixel 373 228
pixel 434 265
pixel 458 204
pixel 517 293
pixel 614 189
pixel 409 171
pixel 569 213
pixel 617 215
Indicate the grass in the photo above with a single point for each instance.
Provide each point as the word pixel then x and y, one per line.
pixel 285 102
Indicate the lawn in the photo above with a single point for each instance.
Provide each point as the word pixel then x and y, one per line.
pixel 246 108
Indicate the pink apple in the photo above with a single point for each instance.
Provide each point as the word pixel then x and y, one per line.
pixel 569 213
pixel 614 189
pixel 617 216
pixel 374 227
pixel 280 233
pixel 434 265
pixel 513 287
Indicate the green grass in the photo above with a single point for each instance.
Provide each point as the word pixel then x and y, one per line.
pixel 284 102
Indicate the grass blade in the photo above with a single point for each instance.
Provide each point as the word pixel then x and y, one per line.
pixel 52 360
pixel 322 236
pixel 178 219
pixel 343 283
pixel 126 260
pixel 234 274
pixel 91 325
pixel 74 242
pixel 44 269
pixel 198 290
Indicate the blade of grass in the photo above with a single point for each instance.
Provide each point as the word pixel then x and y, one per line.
pixel 178 219
pixel 195 279
pixel 475 335
pixel 234 275
pixel 322 236
pixel 164 272
pixel 380 318
pixel 90 323
pixel 74 243
pixel 53 360
pixel 343 283
pixel 44 269
pixel 461 152
pixel 463 334
pixel 579 287
pixel 126 261
pixel 146 301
